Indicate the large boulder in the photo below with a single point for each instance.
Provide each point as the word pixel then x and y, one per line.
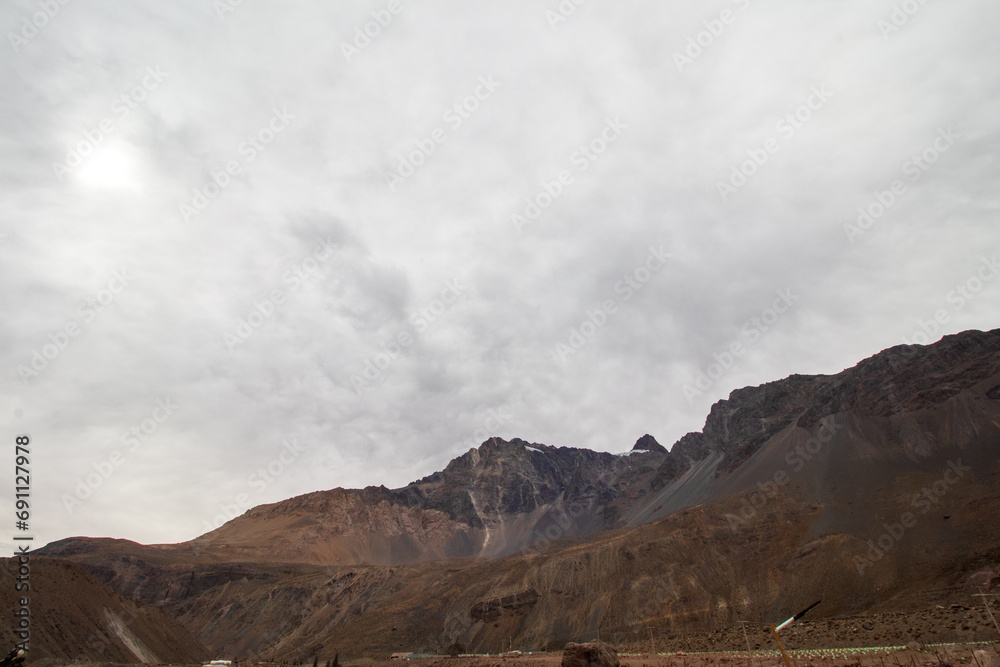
pixel 591 654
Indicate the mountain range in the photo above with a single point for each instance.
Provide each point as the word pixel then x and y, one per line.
pixel 874 490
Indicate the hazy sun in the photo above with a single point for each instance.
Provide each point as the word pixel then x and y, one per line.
pixel 111 165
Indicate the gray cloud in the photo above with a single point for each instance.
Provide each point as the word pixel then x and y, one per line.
pixel 307 212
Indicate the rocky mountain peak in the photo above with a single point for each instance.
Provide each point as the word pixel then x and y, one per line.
pixel 648 443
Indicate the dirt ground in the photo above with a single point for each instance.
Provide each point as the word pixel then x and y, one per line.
pixel 957 655
pixel 939 635
pixel 931 656
pixel 937 625
pixel 953 655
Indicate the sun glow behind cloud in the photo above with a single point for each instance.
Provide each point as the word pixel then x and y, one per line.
pixel 112 166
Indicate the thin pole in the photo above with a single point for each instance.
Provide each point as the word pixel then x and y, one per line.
pixel 743 624
pixel 987 605
pixel 784 656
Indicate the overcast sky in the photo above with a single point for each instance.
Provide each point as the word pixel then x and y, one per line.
pixel 216 217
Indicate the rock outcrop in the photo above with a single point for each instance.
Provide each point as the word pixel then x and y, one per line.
pixel 591 654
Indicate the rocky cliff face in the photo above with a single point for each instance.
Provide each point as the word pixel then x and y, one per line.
pixel 902 379
pixel 899 384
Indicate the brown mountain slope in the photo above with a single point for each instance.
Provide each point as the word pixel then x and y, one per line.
pixel 75 616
